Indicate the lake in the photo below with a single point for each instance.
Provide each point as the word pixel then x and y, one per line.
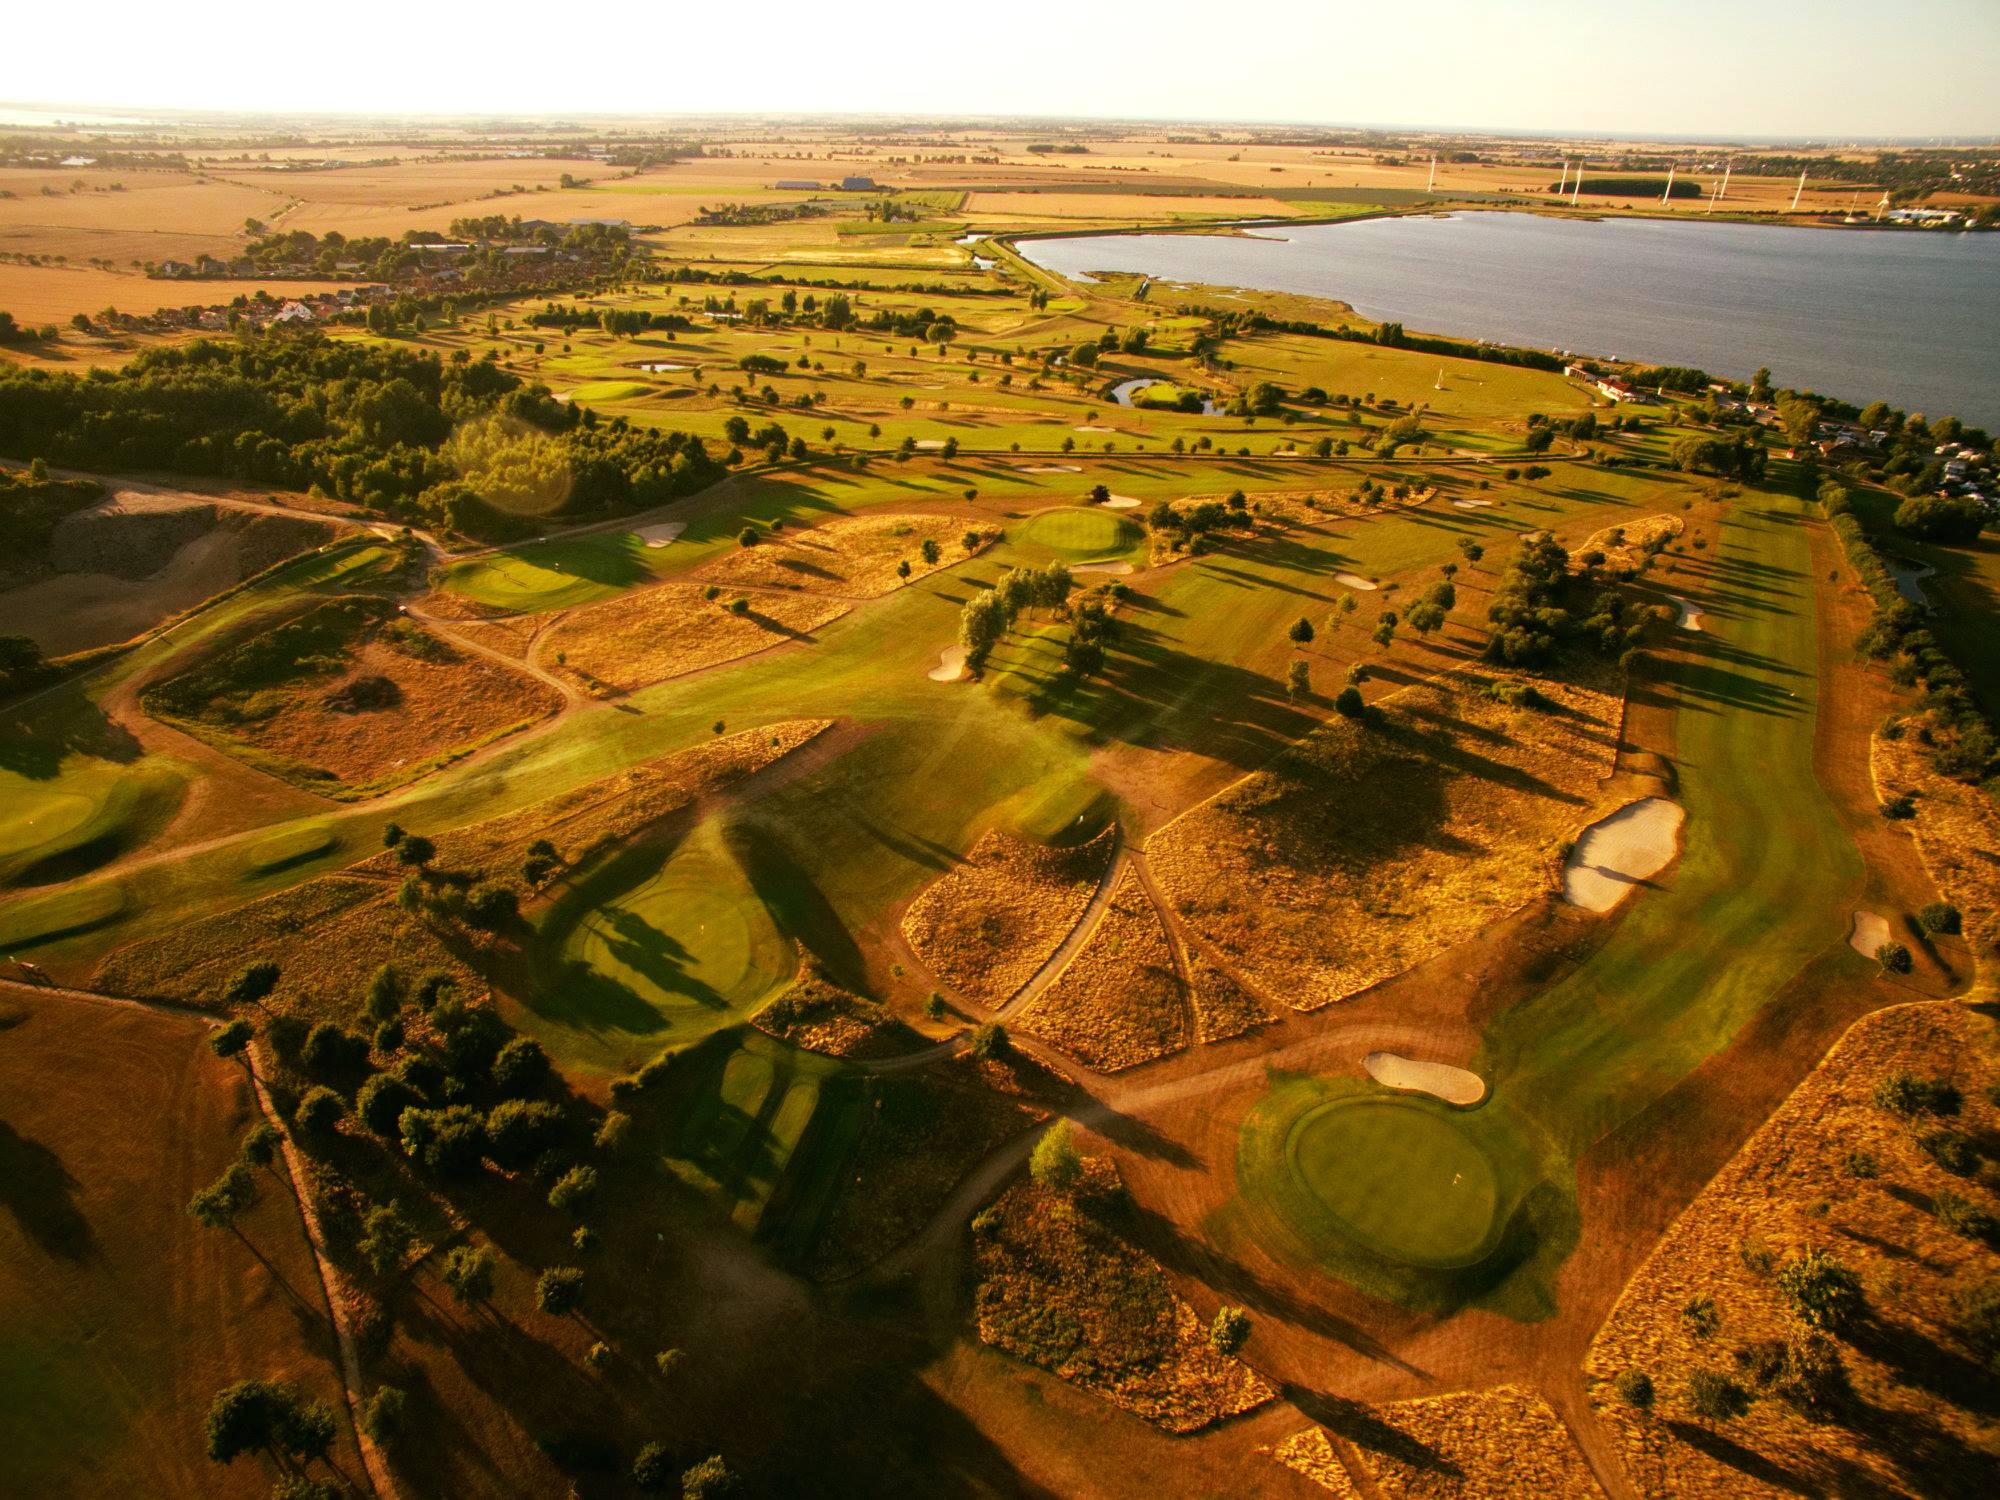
pixel 1911 318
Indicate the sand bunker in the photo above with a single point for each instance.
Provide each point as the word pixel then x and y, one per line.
pixel 1690 616
pixel 1355 581
pixel 1453 1085
pixel 660 535
pixel 1115 569
pixel 1087 428
pixel 1616 853
pixel 1472 504
pixel 1121 502
pixel 951 665
pixel 930 444
pixel 1870 933
pixel 1051 468
pixel 658 368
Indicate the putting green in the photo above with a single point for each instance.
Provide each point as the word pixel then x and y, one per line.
pixel 1400 1178
pixel 611 390
pixel 690 942
pixel 1080 532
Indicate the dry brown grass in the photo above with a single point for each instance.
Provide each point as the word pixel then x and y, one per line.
pixel 1373 844
pixel 820 1016
pixel 855 556
pixel 123 1316
pixel 1957 829
pixel 669 630
pixel 1119 1002
pixel 988 925
pixel 1222 1007
pixel 1624 545
pixel 1791 1187
pixel 1472 1445
pixel 1060 1287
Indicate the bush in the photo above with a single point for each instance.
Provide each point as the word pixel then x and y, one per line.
pixel 1812 1375
pixel 1894 958
pixel 653 1469
pixel 1961 1215
pixel 614 1132
pixel 381 1103
pixel 1349 702
pixel 1635 1389
pixel 382 1419
pixel 990 1041
pixel 574 1190
pixel 520 1130
pixel 229 1039
pixel 1230 1330
pixel 1714 1397
pixel 319 1111
pixel 1940 917
pixel 450 1142
pixel 1979 1319
pixel 1951 1150
pixel 710 1479
pixel 251 984
pixel 1904 1094
pixel 333 1049
pixel 1821 1292
pixel 1055 1162
pixel 521 1067
pixel 559 1290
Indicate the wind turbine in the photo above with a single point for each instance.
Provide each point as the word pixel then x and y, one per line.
pixel 1563 186
pixel 1576 188
pixel 1727 168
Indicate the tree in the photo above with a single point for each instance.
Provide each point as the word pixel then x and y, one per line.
pixel 1425 616
pixel 1055 1162
pixel 305 1429
pixel 614 1133
pixel 1939 518
pixel 559 1291
pixel 230 1038
pixel 381 1103
pixel 1301 632
pixel 1229 1331
pixel 260 1145
pixel 468 1272
pixel 653 1470
pixel 931 551
pixel 981 624
pixel 218 1205
pixel 319 1111
pixel 1349 704
pixel 1821 1292
pixel 1298 680
pixel 1894 958
pixel 1940 917
pixel 386 1237
pixel 252 983
pixel 333 1049
pixel 521 1067
pixel 710 1479
pixel 520 1130
pixel 1634 1388
pixel 240 1420
pixel 416 850
pixel 990 1041
pixel 382 1418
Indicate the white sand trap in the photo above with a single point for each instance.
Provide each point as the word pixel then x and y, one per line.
pixel 1052 468
pixel 1096 429
pixel 1356 581
pixel 1440 1081
pixel 1616 853
pixel 664 369
pixel 660 535
pixel 1690 616
pixel 1472 504
pixel 930 443
pixel 1116 569
pixel 1870 932
pixel 951 665
pixel 1121 502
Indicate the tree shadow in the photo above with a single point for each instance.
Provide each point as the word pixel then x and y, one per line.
pixel 38 1190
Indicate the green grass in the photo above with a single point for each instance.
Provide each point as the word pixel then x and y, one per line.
pixel 656 948
pixel 1081 533
pixel 291 845
pixel 61 913
pixel 551 575
pixel 1402 1178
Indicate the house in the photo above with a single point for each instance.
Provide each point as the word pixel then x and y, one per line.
pixel 857 184
pixel 294 312
pixel 1614 389
pixel 441 247
pixel 796 185
pixel 1576 370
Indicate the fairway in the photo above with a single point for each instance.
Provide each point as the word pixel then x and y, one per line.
pixel 1400 1178
pixel 1080 533
pixel 684 949
pixel 551 575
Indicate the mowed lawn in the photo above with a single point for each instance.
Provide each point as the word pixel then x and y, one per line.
pixel 120 1317
pixel 1767 875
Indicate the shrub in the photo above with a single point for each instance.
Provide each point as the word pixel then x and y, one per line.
pixel 381 1103
pixel 1812 1375
pixel 1894 958
pixel 710 1479
pixel 1229 1331
pixel 386 1237
pixel 653 1469
pixel 1979 1318
pixel 229 1039
pixel 1714 1397
pixel 252 983
pixel 382 1419
pixel 990 1041
pixel 1055 1162
pixel 260 1146
pixel 559 1290
pixel 333 1049
pixel 1349 702
pixel 1899 807
pixel 319 1111
pixel 574 1189
pixel 450 1142
pixel 1820 1291
pixel 614 1132
pixel 1862 1164
pixel 520 1130
pixel 1634 1388
pixel 1952 1150
pixel 521 1067
pixel 468 1272
pixel 1700 1318
pixel 1961 1215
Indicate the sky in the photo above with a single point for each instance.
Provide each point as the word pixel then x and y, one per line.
pixel 1837 69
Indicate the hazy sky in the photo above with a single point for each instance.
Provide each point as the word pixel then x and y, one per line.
pixel 1825 67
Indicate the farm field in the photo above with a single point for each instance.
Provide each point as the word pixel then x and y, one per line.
pixel 812 830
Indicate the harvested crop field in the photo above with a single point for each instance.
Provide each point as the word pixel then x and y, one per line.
pixel 988 925
pixel 1120 1002
pixel 856 556
pixel 348 699
pixel 1060 1287
pixel 1472 1445
pixel 651 634
pixel 1372 844
pixel 1832 1171
pixel 120 1316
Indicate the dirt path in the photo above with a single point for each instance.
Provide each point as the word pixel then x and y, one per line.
pixel 572 695
pixel 1176 945
pixel 1070 946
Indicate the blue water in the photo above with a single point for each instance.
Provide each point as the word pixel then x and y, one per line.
pixel 1908 318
